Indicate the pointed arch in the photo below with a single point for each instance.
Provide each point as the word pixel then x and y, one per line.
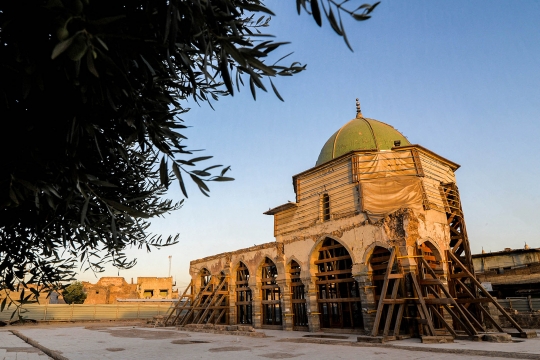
pixel 243 295
pixel 298 297
pixel 271 294
pixel 338 294
pixel 369 250
pixel 292 259
pixel 431 253
pixel 205 277
pixel 433 246
pixel 314 252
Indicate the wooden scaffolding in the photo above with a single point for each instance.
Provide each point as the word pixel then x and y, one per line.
pixel 424 302
pixel 210 305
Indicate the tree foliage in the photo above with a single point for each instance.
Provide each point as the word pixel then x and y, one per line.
pixel 74 293
pixel 91 98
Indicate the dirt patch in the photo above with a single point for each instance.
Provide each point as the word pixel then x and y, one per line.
pixel 115 349
pixel 280 355
pixel 229 348
pixel 184 342
pixel 144 334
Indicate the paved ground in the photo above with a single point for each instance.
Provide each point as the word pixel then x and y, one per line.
pixel 13 348
pixel 110 341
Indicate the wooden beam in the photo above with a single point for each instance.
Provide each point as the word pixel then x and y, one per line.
pixel 378 315
pixel 487 294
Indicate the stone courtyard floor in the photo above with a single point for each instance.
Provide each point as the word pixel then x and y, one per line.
pixel 137 341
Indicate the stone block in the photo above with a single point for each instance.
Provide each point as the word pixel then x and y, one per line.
pixel 371 339
pixel 437 339
pixel 245 328
pixel 498 337
pixel 231 328
pixel 221 327
pixel 207 326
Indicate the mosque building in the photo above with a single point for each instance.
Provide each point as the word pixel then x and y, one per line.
pixel 373 210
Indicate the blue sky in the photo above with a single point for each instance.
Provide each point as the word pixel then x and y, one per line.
pixel 460 78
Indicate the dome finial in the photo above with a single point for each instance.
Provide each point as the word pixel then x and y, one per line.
pixel 358 111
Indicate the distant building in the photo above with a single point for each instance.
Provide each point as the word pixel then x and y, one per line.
pixel 44 297
pixel 109 290
pixel 510 273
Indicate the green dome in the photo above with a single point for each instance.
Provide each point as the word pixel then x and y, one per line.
pixel 360 134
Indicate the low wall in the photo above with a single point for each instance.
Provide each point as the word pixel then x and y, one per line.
pixel 526 321
pixel 81 312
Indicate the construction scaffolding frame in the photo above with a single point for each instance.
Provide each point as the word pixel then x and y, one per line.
pixel 430 303
pixel 209 306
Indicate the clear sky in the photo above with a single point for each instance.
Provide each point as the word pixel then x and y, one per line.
pixel 461 78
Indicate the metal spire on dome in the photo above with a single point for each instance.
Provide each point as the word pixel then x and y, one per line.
pixel 358 111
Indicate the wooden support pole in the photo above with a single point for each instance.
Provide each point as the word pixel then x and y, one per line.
pixel 486 293
pixel 378 316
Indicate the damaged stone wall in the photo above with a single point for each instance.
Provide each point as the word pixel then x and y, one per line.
pixel 108 289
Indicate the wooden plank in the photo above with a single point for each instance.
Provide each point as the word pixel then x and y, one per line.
pixel 399 317
pixel 178 304
pixel 338 300
pixel 487 294
pixel 424 313
pixel 445 324
pixel 331 281
pixel 378 315
pixel 391 308
pixel 472 301
pixel 334 272
pixel 472 318
pixel 440 301
pixel 337 258
pixel 486 313
pixel 429 281
pixel 463 320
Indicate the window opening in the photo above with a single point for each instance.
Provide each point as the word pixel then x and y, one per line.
pixel 325 207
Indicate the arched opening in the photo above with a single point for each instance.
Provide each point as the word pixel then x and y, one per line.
pixel 271 295
pixel 430 253
pixel 337 291
pixel 298 299
pixel 243 296
pixel 206 278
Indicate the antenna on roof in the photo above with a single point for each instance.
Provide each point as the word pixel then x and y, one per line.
pixel 358 111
